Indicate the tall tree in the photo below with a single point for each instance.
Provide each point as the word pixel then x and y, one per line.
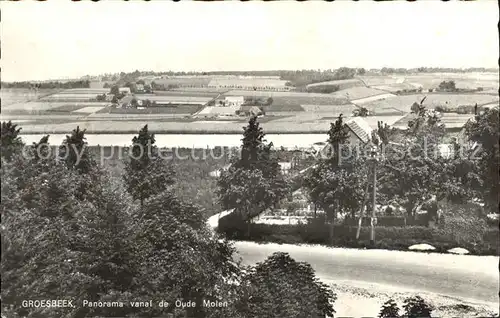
pixel 10 142
pixel 254 182
pixel 74 152
pixel 146 173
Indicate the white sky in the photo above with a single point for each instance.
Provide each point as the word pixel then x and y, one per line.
pixel 59 38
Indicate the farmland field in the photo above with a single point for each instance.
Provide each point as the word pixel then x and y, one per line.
pixel 459 99
pixel 357 93
pixel 175 99
pixel 184 109
pixel 11 96
pixel 194 81
pixel 465 80
pixel 342 84
pixel 86 91
pixel 456 121
pixel 276 108
pixel 330 109
pixel 39 107
pixel 184 91
pixel 378 80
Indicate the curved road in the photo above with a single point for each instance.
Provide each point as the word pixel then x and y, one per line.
pixel 475 278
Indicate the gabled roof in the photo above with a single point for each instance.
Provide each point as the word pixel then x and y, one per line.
pixel 360 128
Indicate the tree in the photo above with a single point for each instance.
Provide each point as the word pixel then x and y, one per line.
pixel 336 183
pixel 134 103
pixel 10 142
pixel 448 86
pixel 414 307
pixel 56 241
pixel 483 130
pixel 389 310
pixel 115 90
pixel 253 183
pixel 74 152
pixel 282 287
pixel 146 173
pixel 360 71
pixel 179 258
pixel 360 112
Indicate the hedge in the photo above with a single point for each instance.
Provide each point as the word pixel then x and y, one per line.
pixel 391 238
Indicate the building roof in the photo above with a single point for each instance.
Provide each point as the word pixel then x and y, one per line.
pixel 360 128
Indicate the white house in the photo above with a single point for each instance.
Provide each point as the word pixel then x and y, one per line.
pixel 125 90
pixel 234 100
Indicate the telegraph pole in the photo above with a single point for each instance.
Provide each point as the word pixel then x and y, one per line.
pixel 374 206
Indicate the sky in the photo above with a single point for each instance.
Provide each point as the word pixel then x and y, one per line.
pixel 63 39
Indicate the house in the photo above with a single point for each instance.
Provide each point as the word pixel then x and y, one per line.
pixel 234 100
pixel 125 90
pixel 359 131
pixel 249 111
pixel 139 88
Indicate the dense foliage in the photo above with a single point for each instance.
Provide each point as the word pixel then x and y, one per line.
pixel 70 230
pixel 282 287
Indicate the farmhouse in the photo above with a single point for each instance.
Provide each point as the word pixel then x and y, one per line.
pixel 360 131
pixel 234 100
pixel 125 90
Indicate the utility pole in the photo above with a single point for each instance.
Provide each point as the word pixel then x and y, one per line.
pixel 374 206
